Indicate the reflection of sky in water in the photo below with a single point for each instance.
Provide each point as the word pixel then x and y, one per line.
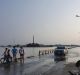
pixel 75 59
pixel 73 55
pixel 38 65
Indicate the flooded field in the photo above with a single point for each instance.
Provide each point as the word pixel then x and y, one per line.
pixel 36 65
pixel 29 51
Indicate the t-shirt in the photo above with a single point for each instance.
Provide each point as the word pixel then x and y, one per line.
pixel 21 51
pixel 6 53
pixel 14 50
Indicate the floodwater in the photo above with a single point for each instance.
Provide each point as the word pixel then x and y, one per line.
pixel 38 65
pixel 29 51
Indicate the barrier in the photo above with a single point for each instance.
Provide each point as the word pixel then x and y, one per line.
pixel 44 52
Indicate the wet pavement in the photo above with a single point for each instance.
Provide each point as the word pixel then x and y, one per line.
pixel 44 65
pixel 31 66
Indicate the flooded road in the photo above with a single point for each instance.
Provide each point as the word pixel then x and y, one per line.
pixel 34 66
pixel 40 65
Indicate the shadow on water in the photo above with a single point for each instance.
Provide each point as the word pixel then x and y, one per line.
pixel 58 59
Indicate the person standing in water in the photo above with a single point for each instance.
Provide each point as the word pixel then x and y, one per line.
pixel 14 52
pixel 21 52
pixel 9 58
pixel 5 55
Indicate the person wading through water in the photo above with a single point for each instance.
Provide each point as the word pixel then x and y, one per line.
pixel 21 52
pixel 9 58
pixel 5 55
pixel 14 52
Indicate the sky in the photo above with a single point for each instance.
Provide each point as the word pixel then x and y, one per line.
pixel 50 21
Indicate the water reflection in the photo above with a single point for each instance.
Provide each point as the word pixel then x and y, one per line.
pixel 37 63
pixel 7 68
pixel 12 69
pixel 21 68
pixel 58 59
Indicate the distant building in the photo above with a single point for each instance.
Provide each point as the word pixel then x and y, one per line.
pixel 33 44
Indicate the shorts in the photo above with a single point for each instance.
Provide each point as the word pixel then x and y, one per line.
pixel 21 54
pixel 14 54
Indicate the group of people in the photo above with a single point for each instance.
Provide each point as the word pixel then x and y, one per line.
pixel 7 54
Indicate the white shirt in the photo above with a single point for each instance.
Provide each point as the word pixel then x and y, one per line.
pixel 21 51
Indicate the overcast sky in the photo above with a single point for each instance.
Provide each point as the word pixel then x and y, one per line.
pixel 50 21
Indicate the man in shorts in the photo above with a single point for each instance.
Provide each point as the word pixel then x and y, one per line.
pixel 14 52
pixel 21 52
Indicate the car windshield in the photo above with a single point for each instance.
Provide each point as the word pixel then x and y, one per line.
pixel 60 47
